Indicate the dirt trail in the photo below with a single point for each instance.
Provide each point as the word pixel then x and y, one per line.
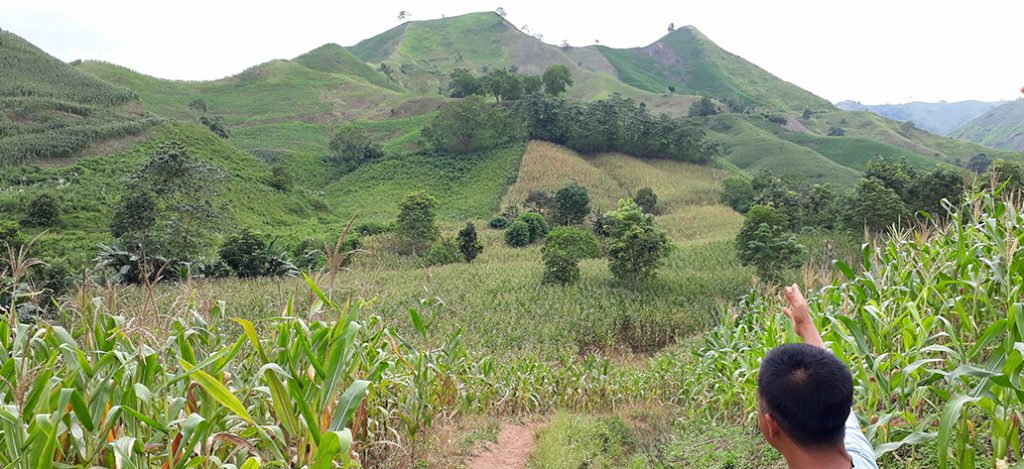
pixel 514 445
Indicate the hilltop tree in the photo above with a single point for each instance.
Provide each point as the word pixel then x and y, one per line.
pixel 351 145
pixel 501 12
pixel 765 244
pixel 704 107
pixel 416 226
pixel 573 204
pixel 671 27
pixel 462 83
pixel 557 78
pixel 469 245
pixel 168 207
pixel 404 15
pixel 636 247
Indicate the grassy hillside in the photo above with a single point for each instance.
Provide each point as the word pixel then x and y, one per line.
pixel 90 189
pixel 691 63
pixel 332 58
pixel 1002 127
pixel 941 118
pixel 48 109
pixel 423 53
pixel 874 127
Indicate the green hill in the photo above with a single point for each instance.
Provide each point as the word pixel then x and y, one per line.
pixel 423 53
pixel 940 118
pixel 1002 127
pixel 332 58
pixel 48 109
pixel 689 62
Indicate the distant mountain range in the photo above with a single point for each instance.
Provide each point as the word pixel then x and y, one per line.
pixel 1001 127
pixel 941 118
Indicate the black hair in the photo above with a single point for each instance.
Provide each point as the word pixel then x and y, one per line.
pixel 808 391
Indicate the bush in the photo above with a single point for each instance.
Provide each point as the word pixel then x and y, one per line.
pixel 280 178
pixel 836 132
pixel 351 144
pixel 43 210
pixel 573 204
pixel 374 228
pixel 636 247
pixel 764 243
pixel 737 193
pixel 647 200
pixel 518 234
pixel 499 222
pixel 574 242
pixel 468 243
pixel 538 225
pixel 249 254
pixel 444 251
pixel 416 226
pixel 559 266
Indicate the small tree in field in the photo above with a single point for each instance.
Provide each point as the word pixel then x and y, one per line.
pixel 573 204
pixel 559 266
pixel 646 199
pixel 518 234
pixel 557 78
pixel 468 243
pixel 416 225
pixel 765 244
pixel 636 247
pixel 350 144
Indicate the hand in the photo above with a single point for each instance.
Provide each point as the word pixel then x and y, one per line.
pixel 800 314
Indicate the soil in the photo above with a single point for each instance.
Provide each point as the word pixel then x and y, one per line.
pixel 515 442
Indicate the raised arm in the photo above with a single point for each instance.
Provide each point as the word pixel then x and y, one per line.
pixel 800 314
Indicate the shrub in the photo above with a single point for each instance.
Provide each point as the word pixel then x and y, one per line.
pixel 444 251
pixel 836 132
pixel 10 233
pixel 375 228
pixel 636 247
pixel 572 203
pixel 499 222
pixel 647 200
pixel 415 224
pixel 873 206
pixel 246 253
pixel 280 178
pixel 43 210
pixel 350 145
pixel 518 234
pixel 538 225
pixel 737 193
pixel 559 266
pixel 574 242
pixel 704 107
pixel 468 243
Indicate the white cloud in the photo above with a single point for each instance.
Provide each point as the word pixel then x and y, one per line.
pixel 872 50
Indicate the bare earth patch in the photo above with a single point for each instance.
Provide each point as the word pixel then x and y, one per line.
pixel 515 442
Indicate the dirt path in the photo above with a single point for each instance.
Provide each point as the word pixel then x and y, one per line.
pixel 514 445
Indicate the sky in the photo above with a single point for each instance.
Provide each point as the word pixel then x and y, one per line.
pixel 871 51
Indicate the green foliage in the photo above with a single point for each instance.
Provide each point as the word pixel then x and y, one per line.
pixel 375 228
pixel 43 210
pixel 351 145
pixel 503 84
pixel 557 78
pixel 574 242
pixel 499 222
pixel 874 206
pixel 197 105
pixel 469 125
pixel 215 125
pixel 250 254
pixel 559 266
pixel 469 245
pixel 416 225
pixel 168 207
pixel 819 208
pixel 928 190
pixel 647 200
pixel 836 132
pixel 280 178
pixel 636 247
pixel 462 83
pixel 538 225
pixel 10 233
pixel 737 193
pixel 765 243
pixel 444 251
pixel 572 203
pixel 1010 173
pixel 518 234
pixel 704 107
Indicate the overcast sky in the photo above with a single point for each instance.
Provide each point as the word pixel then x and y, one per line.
pixel 868 50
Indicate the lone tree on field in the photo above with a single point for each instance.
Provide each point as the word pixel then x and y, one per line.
pixel 43 210
pixel 557 78
pixel 350 144
pixel 636 247
pixel 404 15
pixel 468 243
pixel 501 12
pixel 671 27
pixel 416 225
pixel 646 199
pixel 572 203
pixel 765 244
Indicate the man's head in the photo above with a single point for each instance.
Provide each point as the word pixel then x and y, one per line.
pixel 805 394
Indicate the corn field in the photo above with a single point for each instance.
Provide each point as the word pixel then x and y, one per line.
pixel 933 329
